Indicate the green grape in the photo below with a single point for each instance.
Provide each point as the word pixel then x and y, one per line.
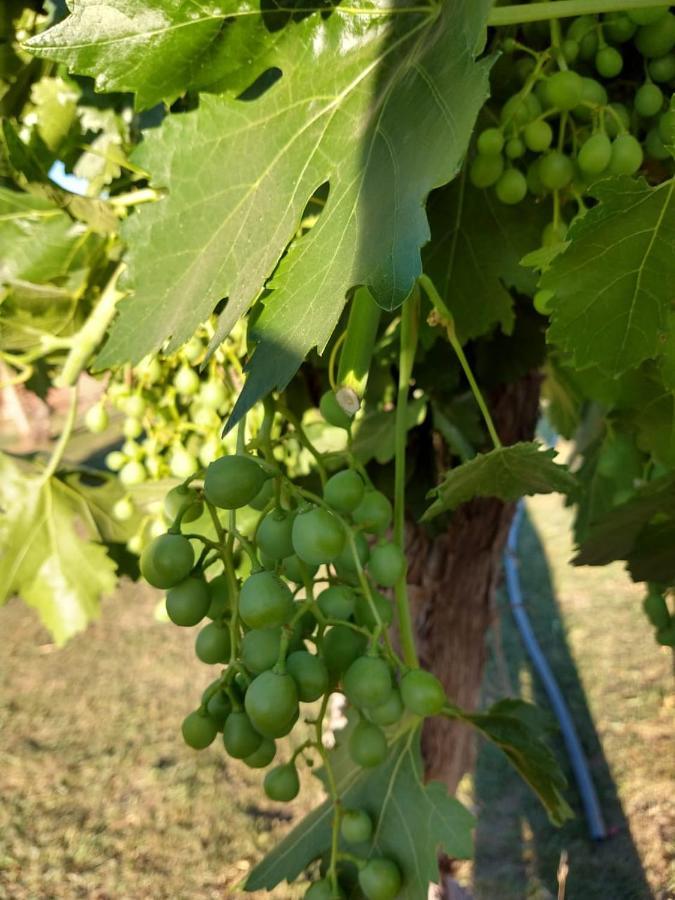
pixel 318 536
pixel 263 756
pixel 387 564
pixel 518 109
pixel 219 708
pixel 367 682
pixel 542 301
pixel 133 406
pixel 564 89
pixel 422 693
pixel 618 27
pixel 592 93
pixel 274 534
pixel 167 560
pixel 239 736
pixel 149 369
pixel 264 495
pixel 570 50
pixel 373 513
pixel 271 702
pixel 203 417
pixel 199 730
pixel 595 154
pixel 588 45
pixel 524 68
pixel 213 394
pixel 666 127
pixel 485 170
pixel 132 450
pixel 292 568
pixel 132 428
pixel 626 155
pixel 662 69
pixel 282 783
pixel 534 184
pixel 344 491
pixel 333 413
pixel 363 613
pixel 322 890
pixel 213 644
pixel 657 38
pixel 96 418
pixel 210 450
pixel 655 147
pixel 115 460
pixel 186 381
pixel 135 544
pixel 341 646
pixel 619 122
pixel 265 601
pixel 132 473
pixel 356 826
pixel 219 597
pixel 648 100
pixel 123 509
pixel 193 349
pixel 389 712
pixel 345 564
pixel 648 15
pixel 538 135
pixel 515 148
pixel 337 602
pixel 490 141
pixel 309 673
pixel 511 187
pixel 187 602
pixel 581 26
pixel 182 463
pixel 380 879
pixel 233 481
pixel 260 649
pixel 555 170
pixel 608 62
pixel 182 498
pixel 367 745
pixel 553 234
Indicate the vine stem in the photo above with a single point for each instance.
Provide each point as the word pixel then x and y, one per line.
pixel 409 331
pixel 520 13
pixel 64 437
pixel 447 319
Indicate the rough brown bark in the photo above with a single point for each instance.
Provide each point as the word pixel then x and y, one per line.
pixel 453 579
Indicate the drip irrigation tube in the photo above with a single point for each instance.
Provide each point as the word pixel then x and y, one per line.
pixel 578 761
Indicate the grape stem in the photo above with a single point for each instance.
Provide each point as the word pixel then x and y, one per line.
pixel 520 13
pixel 445 316
pixel 409 332
pixel 64 437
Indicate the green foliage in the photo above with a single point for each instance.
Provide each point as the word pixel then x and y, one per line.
pixel 507 473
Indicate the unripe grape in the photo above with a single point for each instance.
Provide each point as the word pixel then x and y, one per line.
pixel 485 170
pixel 182 463
pixel 389 712
pixel 132 473
pixel 123 509
pixel 657 38
pixel 239 736
pixel 345 564
pixel 187 602
pixel 520 109
pixel 626 155
pixel 199 730
pixel 356 826
pixel 511 187
pixel 595 154
pixel 132 450
pixel 555 170
pixel 380 879
pixel 263 756
pixel 367 745
pixel 647 16
pixel 618 122
pixel 182 498
pixel 364 615
pixel 387 563
pixel 322 890
pixel 648 100
pixel 96 418
pixel 564 89
pixel 655 147
pixel 663 68
pixel 115 460
pixel 309 673
pixel 337 602
pixel 265 601
pixel 538 135
pixel 333 413
pixel 271 703
pixel 592 93
pixel 133 406
pixel 193 349
pixel 553 234
pixel 618 27
pixel 186 381
pixel 213 394
pixel 373 513
pixel 422 693
pixel 132 428
pixel 514 149
pixel 490 141
pixel 608 62
pixel 282 783
pixel 233 481
pixel 219 708
pixel 570 50
pixel 344 491
pixel 213 644
pixel 666 127
pixel 167 560
pixel 367 682
pixel 274 534
pixel 317 536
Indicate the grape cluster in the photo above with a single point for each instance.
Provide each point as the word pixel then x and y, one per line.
pixel 309 616
pixel 593 100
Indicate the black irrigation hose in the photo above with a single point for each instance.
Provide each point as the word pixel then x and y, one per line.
pixel 578 761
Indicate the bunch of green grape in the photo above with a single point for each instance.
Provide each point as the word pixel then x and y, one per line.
pixel 593 99
pixel 308 618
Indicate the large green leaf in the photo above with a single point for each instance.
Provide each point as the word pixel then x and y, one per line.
pixel 507 473
pixel 158 49
pixel 414 822
pixel 613 283
pixel 52 556
pixel 475 251
pixel 378 106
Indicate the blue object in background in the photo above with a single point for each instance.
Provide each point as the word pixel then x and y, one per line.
pixel 68 182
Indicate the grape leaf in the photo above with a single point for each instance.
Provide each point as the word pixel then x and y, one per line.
pixel 507 473
pixel 474 254
pixel 52 554
pixel 516 727
pixel 652 557
pixel 348 82
pixel 159 49
pixel 613 283
pixel 414 821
